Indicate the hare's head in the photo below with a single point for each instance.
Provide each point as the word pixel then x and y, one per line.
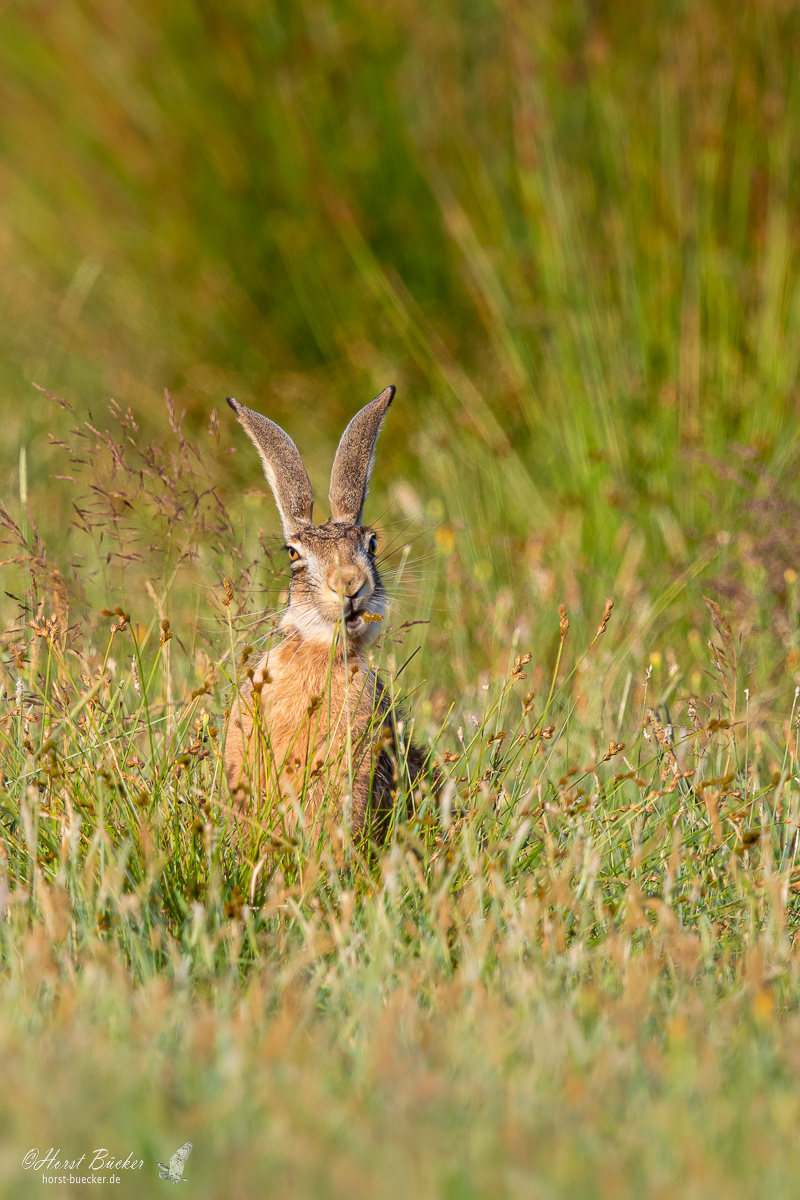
pixel 334 574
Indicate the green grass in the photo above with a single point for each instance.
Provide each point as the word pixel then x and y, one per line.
pixel 571 239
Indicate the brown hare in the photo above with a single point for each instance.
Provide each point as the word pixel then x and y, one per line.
pixel 313 723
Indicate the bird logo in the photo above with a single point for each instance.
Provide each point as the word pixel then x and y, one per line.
pixel 174 1172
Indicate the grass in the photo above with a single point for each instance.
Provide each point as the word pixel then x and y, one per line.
pixel 574 972
pixel 570 238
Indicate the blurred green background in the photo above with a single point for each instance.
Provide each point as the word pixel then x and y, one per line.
pixel 567 232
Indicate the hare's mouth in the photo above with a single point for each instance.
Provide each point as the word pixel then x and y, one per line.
pixel 353 620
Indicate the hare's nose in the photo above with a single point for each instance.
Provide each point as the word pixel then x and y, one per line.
pixel 345 581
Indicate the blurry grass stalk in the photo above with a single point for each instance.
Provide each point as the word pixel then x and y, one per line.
pixel 23 490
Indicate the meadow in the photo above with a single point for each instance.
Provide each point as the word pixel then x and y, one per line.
pixel 569 234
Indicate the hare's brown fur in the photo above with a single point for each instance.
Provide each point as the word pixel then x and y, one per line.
pixel 305 694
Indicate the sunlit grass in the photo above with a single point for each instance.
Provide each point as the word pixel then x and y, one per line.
pixel 586 936
pixel 569 236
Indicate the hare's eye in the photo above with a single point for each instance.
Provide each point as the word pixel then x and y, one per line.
pixel 293 554
pixel 373 544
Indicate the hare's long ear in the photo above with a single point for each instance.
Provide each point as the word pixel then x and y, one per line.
pixel 355 459
pixel 283 468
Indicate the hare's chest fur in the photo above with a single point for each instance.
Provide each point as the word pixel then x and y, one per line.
pixel 304 726
pixel 304 688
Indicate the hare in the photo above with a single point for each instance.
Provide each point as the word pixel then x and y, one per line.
pixel 314 723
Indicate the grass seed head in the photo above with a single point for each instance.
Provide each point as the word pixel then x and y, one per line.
pixel 606 617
